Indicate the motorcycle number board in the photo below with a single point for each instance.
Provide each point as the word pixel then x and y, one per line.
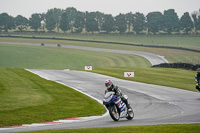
pixel 88 67
pixel 128 74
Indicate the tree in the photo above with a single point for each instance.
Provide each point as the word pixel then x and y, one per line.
pixel 79 23
pixel 196 20
pixel 198 23
pixel 129 20
pixel 21 22
pixel 99 17
pixel 108 23
pixel 186 23
pixel 6 22
pixel 139 22
pixel 50 21
pixel 72 13
pixel 120 23
pixel 154 21
pixel 91 22
pixel 53 19
pixel 64 22
pixel 35 21
pixel 43 21
pixel 171 21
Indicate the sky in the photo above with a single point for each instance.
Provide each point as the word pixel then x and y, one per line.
pixel 114 7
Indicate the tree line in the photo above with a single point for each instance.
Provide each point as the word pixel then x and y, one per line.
pixel 74 21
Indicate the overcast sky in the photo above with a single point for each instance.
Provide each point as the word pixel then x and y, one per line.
pixel 114 7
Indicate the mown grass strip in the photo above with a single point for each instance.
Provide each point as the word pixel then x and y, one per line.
pixel 104 63
pixel 191 42
pixel 177 78
pixel 26 98
pixel 112 42
pixel 172 55
pixel 36 57
pixel 184 128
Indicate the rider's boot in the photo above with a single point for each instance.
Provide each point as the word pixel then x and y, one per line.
pixel 129 107
pixel 127 104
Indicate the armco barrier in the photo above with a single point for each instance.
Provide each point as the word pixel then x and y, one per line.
pixel 187 66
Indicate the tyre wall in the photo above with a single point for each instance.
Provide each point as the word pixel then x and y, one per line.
pixel 187 66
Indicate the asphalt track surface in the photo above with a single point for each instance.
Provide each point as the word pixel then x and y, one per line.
pixel 154 59
pixel 152 104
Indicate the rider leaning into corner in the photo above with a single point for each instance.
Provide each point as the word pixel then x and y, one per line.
pixel 111 87
pixel 197 76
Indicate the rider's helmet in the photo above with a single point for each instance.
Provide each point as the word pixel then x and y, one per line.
pixel 108 84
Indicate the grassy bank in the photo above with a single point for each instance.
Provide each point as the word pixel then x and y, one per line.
pixel 175 41
pixel 172 55
pixel 104 63
pixel 27 98
pixel 189 128
pixel 19 56
pixel 177 78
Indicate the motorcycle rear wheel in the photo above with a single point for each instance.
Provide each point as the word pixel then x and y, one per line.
pixel 130 114
pixel 114 113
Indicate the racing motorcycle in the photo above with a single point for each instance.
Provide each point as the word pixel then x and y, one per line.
pixel 198 85
pixel 117 108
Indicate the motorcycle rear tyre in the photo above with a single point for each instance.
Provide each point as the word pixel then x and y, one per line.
pixel 130 116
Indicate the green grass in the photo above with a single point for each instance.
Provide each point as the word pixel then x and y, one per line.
pixel 19 56
pixel 178 78
pixel 105 63
pixel 185 128
pixel 172 55
pixel 27 98
pixel 15 87
pixel 175 41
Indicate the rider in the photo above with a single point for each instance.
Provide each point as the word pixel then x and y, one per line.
pixel 111 87
pixel 197 76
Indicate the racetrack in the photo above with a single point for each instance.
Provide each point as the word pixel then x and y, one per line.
pixel 153 59
pixel 152 104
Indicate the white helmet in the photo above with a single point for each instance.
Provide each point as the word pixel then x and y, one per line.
pixel 108 84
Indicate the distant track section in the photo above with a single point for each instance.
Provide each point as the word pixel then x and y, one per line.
pixel 120 43
pixel 153 59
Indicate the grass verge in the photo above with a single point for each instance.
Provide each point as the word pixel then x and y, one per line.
pixel 172 55
pixel 26 98
pixel 191 42
pixel 186 128
pixel 177 78
pixel 104 63
pixel 36 57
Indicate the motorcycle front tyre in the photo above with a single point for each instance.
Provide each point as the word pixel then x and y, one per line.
pixel 114 113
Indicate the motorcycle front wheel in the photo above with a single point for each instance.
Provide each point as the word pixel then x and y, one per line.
pixel 114 113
